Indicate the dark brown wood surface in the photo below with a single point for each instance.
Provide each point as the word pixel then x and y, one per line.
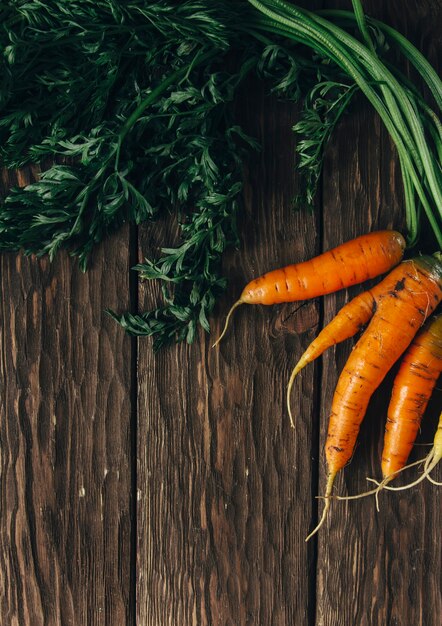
pixel 168 489
pixel 66 442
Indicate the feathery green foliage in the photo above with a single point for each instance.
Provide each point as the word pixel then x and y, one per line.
pixel 132 106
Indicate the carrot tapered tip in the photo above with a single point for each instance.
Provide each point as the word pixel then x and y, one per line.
pixel 435 482
pixel 327 497
pixel 298 367
pixel 229 314
pixel 372 492
pixel 430 463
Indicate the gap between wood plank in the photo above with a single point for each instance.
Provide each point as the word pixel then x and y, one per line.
pixel 133 302
pixel 316 439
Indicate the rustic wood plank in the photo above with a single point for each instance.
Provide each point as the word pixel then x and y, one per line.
pixel 65 437
pixel 225 485
pixel 375 568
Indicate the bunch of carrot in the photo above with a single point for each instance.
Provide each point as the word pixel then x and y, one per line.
pixel 397 314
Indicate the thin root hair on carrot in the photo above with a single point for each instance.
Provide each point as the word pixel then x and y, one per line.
pixel 380 486
pixel 293 375
pixel 372 492
pixel 435 482
pixel 430 463
pixel 327 498
pixel 229 315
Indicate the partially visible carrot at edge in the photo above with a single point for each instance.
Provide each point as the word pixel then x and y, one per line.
pixel 398 317
pixel 413 385
pixel 412 389
pixel 352 262
pixel 430 461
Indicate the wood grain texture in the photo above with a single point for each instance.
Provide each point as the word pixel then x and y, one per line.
pixel 65 482
pixel 213 452
pixel 196 514
pixel 375 568
pixel 225 483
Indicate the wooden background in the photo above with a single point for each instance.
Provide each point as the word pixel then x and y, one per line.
pixel 169 489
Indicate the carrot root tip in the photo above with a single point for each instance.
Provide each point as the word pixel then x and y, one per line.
pixel 430 463
pixel 373 492
pixel 327 498
pixel 435 482
pixel 229 314
pixel 298 367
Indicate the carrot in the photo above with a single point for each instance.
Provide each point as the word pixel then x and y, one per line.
pixel 420 368
pixel 350 319
pixel 412 389
pixel 351 263
pixel 399 314
pixel 430 462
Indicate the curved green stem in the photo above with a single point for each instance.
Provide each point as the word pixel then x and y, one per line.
pixel 394 107
pixel 394 94
pixel 362 24
pixel 409 51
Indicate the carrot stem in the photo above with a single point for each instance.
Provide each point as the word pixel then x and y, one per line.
pixel 388 97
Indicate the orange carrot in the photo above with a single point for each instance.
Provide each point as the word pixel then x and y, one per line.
pixel 414 383
pixel 420 368
pixel 430 461
pixel 399 314
pixel 350 319
pixel 351 263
